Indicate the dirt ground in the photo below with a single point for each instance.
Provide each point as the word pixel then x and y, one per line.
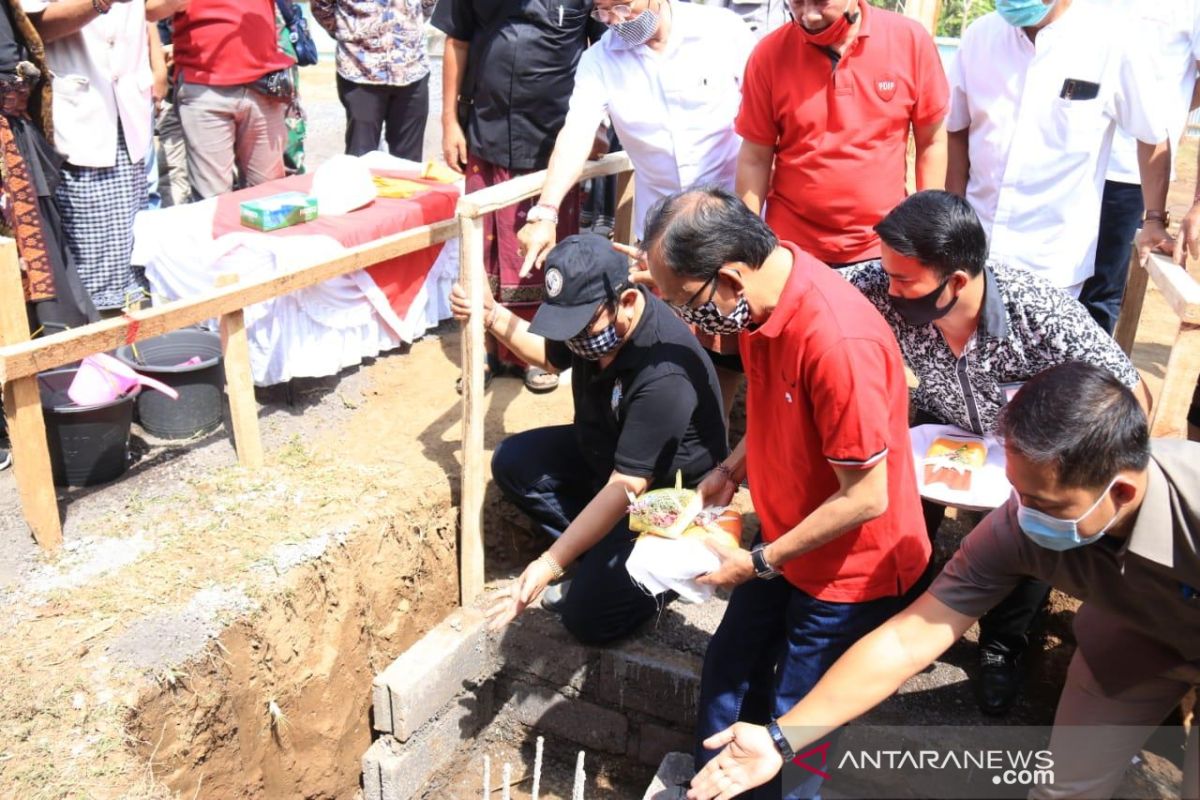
pixel 312 573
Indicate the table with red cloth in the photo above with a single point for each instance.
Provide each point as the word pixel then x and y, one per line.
pixel 324 328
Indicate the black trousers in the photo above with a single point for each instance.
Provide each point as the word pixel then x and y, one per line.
pixel 543 473
pixel 1006 627
pixel 396 112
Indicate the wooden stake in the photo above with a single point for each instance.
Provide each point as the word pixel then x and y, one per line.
pixel 1131 303
pixel 1169 418
pixel 239 383
pixel 623 229
pixel 23 412
pixel 472 277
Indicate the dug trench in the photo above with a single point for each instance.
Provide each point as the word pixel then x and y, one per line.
pixel 214 633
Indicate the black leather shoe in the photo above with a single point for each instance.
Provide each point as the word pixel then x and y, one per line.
pixel 999 682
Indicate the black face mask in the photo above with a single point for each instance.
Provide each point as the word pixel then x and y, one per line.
pixel 924 309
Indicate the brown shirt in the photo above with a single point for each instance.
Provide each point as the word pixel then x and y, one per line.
pixel 1141 612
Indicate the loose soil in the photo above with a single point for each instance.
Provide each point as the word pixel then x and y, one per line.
pixel 211 632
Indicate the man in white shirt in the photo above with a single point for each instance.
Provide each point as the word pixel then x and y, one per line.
pixel 669 77
pixel 1169 32
pixel 1037 91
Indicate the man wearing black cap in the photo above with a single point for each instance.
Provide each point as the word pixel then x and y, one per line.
pixel 646 406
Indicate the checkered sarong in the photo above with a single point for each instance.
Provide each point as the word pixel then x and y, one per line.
pixel 97 205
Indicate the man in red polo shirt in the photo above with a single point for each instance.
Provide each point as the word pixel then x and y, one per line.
pixel 826 451
pixel 827 103
pixel 223 50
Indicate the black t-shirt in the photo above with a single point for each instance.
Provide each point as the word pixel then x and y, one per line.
pixel 522 60
pixel 654 410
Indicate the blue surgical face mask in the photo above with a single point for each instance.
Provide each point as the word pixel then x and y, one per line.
pixel 1053 533
pixel 1023 13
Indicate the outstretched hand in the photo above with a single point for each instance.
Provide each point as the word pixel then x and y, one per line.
pixel 520 594
pixel 748 759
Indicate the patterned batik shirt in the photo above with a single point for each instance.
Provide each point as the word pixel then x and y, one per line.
pixel 379 41
pixel 1026 325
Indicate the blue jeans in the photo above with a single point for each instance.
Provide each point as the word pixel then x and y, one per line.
pixel 772 646
pixel 542 472
pixel 1120 217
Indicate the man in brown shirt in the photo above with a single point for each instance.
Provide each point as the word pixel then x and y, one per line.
pixel 1100 512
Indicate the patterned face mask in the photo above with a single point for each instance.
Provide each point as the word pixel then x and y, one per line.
pixel 594 346
pixel 639 30
pixel 709 319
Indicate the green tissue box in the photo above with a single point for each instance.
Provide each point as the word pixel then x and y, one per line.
pixel 279 211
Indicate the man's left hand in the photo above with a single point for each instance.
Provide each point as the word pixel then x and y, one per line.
pixel 749 759
pixel 736 566
pixel 1153 238
pixel 1187 243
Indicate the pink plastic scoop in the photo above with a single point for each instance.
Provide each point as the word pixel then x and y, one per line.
pixel 102 379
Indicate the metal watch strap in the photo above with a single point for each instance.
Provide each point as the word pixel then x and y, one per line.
pixel 781 742
pixel 761 568
pixel 542 212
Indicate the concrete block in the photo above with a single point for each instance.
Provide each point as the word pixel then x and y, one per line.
pixel 454 656
pixel 537 644
pixel 671 780
pixel 655 681
pixel 571 718
pixel 395 770
pixel 655 742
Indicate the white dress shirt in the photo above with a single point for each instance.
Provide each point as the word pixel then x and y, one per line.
pixel 673 110
pixel 101 74
pixel 1038 159
pixel 1169 32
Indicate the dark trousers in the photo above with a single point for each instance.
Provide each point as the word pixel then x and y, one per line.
pixel 772 646
pixel 1120 217
pixel 1004 629
pixel 543 473
pixel 397 112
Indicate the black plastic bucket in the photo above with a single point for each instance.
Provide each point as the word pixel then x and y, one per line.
pixel 88 444
pixel 199 408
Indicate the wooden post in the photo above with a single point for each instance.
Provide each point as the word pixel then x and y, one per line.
pixel 1169 420
pixel 23 411
pixel 623 229
pixel 1131 303
pixel 239 383
pixel 924 11
pixel 472 277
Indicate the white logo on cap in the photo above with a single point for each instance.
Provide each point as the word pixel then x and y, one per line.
pixel 554 282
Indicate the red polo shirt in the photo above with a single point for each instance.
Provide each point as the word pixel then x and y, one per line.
pixel 826 389
pixel 227 42
pixel 840 133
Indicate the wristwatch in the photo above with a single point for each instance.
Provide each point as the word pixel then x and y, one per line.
pixel 542 212
pixel 761 568
pixel 1158 216
pixel 781 742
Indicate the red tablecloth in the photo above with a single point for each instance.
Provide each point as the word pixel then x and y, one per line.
pixel 399 278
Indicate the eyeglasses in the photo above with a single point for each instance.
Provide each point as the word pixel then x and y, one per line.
pixel 618 13
pixel 684 308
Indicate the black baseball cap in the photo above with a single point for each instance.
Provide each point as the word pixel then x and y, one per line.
pixel 582 271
